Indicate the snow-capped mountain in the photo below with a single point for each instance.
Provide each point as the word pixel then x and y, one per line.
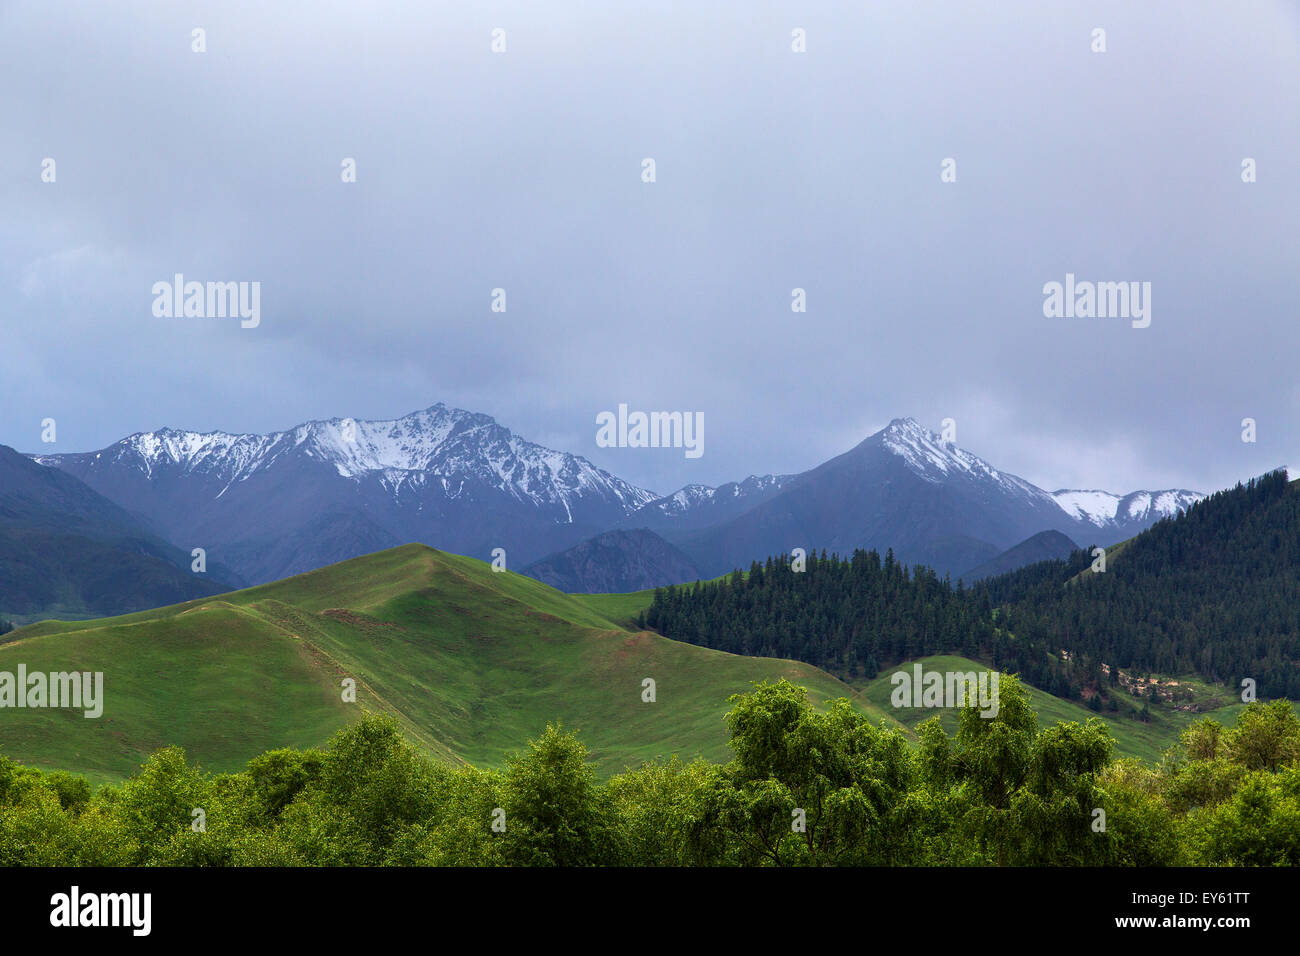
pixel 905 488
pixel 444 444
pixel 699 506
pixel 326 490
pixel 271 505
pixel 1106 510
pixel 933 459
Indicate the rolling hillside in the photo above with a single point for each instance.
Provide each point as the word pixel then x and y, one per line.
pixel 471 662
pixel 1134 738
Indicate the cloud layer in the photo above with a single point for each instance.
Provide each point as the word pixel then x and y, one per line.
pixel 775 170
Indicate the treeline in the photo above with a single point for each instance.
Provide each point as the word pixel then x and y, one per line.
pixel 1211 591
pixel 805 788
pixel 851 617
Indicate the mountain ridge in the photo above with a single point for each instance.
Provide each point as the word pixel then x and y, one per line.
pixel 439 476
pixel 330 489
pixel 615 562
pixel 67 550
pixel 904 488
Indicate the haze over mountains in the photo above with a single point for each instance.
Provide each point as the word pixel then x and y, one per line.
pixel 268 506
pixel 614 563
pixel 931 502
pixel 280 504
pixel 64 549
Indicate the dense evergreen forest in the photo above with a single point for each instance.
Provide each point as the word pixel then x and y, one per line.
pixel 804 788
pixel 852 617
pixel 1211 591
pixel 1215 590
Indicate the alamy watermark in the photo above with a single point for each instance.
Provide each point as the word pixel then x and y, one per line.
pixel 208 300
pixel 132 911
pixel 1098 300
pixel 76 690
pixel 651 430
pixel 920 688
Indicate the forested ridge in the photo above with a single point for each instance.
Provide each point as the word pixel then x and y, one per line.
pixel 853 616
pixel 1215 591
pixel 1212 591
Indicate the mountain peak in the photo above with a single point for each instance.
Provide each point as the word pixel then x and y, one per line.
pixel 438 444
pixel 906 424
pixel 927 453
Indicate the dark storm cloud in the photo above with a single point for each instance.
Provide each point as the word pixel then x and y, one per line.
pixel 775 170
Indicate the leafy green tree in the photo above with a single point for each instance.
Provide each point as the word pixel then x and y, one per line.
pixel 554 813
pixel 991 759
pixel 1060 809
pixel 459 833
pixel 1266 737
pixel 1203 740
pixel 371 776
pixel 278 776
pixel 662 819
pixel 1259 825
pixel 812 788
pixel 1141 829
pixel 158 803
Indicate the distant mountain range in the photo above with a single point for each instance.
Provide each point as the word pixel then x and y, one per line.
pixel 1044 546
pixel 902 488
pixel 280 504
pixel 268 506
pixel 615 562
pixel 66 550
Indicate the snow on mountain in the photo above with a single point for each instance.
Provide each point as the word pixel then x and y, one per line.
pixel 1097 507
pixel 1103 508
pixel 936 460
pixel 685 498
pixel 443 443
pixel 323 491
pixel 690 497
pixel 933 459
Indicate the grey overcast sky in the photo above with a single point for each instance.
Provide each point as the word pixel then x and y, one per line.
pixel 774 170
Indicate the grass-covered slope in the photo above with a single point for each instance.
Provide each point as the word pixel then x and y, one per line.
pixel 1146 739
pixel 470 661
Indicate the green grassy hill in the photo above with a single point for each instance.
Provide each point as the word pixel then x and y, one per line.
pixel 472 663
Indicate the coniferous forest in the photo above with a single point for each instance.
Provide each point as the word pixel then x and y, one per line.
pixel 1215 591
pixel 850 616
pixel 1212 591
